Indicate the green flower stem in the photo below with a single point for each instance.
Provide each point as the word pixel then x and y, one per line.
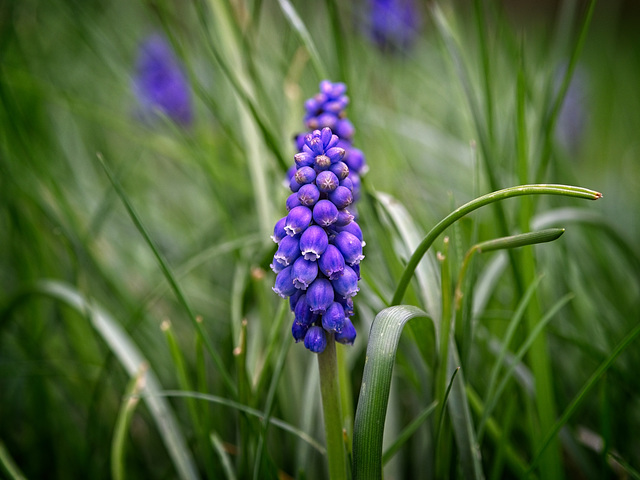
pixel 542 189
pixel 328 367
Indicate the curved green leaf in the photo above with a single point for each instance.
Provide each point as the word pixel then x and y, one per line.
pixel 374 392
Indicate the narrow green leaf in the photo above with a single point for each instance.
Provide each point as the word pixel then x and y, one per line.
pixel 170 277
pixel 581 395
pixel 440 227
pixel 9 467
pixel 520 240
pixel 374 392
pixel 493 395
pixel 407 432
pixel 301 30
pixel 131 358
pixel 218 446
pixel 130 401
pixel 305 437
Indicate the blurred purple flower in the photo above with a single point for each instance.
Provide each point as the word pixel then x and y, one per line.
pixel 572 118
pixel 160 84
pixel 393 24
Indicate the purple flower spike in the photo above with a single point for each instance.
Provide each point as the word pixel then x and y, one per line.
pixel 304 272
pixel 331 263
pixel 308 195
pixel 315 339
pixel 325 213
pixel 348 334
pixel 320 295
pixel 317 261
pixel 346 284
pixel 341 197
pixel 298 219
pixel 288 250
pixel 313 242
pixel 350 246
pixel 334 319
pixel 327 181
pixel 299 331
pixel 284 283
pixel 160 84
pixel 278 230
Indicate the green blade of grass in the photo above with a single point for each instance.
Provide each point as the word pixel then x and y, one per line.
pixel 301 30
pixel 542 189
pixel 305 437
pixel 170 277
pixel 374 393
pixel 218 446
pixel 131 358
pixel 581 395
pixel 8 465
pixel 407 432
pixel 129 403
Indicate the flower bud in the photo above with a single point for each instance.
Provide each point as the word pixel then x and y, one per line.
pixel 350 247
pixel 305 175
pixel 347 283
pixel 298 219
pixel 284 283
pixel 304 272
pixel 292 201
pixel 319 295
pixel 331 263
pixel 348 333
pixel 308 195
pixel 327 181
pixel 288 250
pixel 278 230
pixel 341 197
pixel 315 339
pixel 334 318
pixel 325 213
pixel 313 242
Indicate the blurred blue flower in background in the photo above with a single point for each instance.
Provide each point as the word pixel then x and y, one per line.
pixel 572 118
pixel 393 24
pixel 160 84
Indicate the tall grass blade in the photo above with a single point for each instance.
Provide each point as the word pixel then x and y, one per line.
pixel 170 277
pixel 301 30
pixel 581 395
pixel 9 467
pixel 374 393
pixel 131 359
pixel 130 401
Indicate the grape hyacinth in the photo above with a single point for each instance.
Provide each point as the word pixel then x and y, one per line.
pixel 393 25
pixel 319 244
pixel 160 85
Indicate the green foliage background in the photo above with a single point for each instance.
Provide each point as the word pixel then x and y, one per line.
pixel 208 196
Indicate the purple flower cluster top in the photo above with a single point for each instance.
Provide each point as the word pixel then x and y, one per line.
pixel 319 243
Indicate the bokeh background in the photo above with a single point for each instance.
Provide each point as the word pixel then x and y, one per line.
pixel 205 179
